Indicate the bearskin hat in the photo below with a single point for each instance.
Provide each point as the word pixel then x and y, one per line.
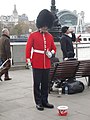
pixel 45 18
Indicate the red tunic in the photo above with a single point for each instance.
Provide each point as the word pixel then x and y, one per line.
pixel 37 42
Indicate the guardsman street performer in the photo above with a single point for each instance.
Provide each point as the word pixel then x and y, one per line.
pixel 41 42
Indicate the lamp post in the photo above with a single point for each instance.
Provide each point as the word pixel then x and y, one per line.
pixel 56 29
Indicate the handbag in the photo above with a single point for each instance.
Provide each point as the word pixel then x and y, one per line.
pixel 5 64
pixel 73 87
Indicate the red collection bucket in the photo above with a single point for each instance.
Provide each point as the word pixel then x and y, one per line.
pixel 62 110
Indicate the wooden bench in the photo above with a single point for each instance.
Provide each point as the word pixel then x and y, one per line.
pixel 84 70
pixel 70 69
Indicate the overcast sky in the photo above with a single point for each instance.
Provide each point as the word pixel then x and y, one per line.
pixel 32 7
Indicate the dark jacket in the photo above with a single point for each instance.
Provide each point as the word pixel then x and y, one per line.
pixel 66 44
pixel 5 52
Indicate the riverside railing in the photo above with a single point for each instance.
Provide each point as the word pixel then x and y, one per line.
pixel 82 51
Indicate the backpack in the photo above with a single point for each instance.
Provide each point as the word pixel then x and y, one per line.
pixel 73 87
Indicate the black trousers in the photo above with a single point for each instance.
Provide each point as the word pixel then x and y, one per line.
pixel 40 77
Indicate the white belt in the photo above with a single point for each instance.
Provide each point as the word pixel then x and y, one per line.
pixel 39 51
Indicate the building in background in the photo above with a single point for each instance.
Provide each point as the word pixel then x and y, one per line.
pixel 13 19
pixel 69 18
pixel 18 25
pixel 72 19
pixel 65 17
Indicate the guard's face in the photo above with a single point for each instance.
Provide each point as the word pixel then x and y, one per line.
pixel 44 29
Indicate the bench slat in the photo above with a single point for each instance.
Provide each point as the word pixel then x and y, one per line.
pixel 68 69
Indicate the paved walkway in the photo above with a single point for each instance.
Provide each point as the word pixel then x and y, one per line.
pixel 16 101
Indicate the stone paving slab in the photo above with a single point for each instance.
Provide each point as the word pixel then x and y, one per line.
pixel 17 102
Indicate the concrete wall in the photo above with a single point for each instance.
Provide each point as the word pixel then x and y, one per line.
pixel 18 52
pixel 59 52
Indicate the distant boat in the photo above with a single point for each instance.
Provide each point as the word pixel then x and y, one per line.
pixel 84 38
pixel 84 41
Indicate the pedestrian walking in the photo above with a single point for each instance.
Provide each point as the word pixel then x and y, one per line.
pixel 5 54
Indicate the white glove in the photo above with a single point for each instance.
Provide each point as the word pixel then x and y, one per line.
pixel 49 54
pixel 28 62
pixel 53 52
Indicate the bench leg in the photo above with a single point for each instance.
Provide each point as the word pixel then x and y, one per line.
pixel 50 86
pixel 88 80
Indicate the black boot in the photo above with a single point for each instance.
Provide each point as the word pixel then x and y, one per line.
pixel 47 105
pixel 40 107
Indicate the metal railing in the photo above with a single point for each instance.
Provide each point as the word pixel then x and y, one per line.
pixel 18 52
pixel 81 49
